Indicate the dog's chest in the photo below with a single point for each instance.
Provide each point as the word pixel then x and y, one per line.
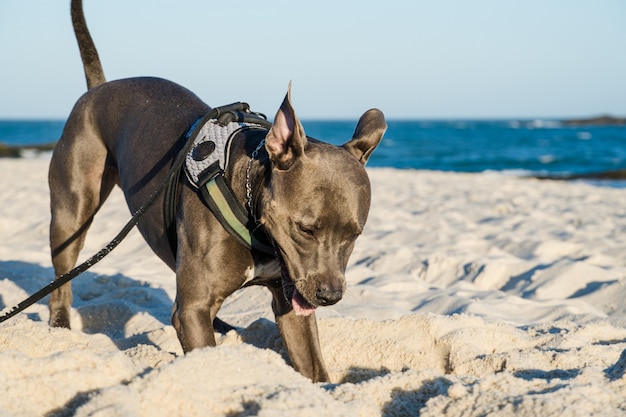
pixel 266 270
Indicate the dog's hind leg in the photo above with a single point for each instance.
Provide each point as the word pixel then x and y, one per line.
pixel 80 178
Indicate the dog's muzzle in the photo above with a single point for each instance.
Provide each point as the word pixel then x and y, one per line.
pixel 325 295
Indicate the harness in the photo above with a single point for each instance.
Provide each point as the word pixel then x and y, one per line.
pixel 205 167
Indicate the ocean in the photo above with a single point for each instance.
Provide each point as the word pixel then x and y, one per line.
pixel 517 147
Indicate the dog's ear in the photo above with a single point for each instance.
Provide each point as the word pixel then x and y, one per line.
pixel 367 135
pixel 286 140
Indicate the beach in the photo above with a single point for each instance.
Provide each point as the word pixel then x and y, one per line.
pixel 468 295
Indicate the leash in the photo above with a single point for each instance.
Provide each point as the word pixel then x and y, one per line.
pixel 232 112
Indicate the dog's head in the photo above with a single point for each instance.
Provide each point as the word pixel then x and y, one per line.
pixel 316 206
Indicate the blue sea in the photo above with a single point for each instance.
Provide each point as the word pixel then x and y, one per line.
pixel 518 147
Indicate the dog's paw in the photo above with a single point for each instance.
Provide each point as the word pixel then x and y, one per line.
pixel 60 318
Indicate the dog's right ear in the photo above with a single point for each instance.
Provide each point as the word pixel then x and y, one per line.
pixel 367 135
pixel 286 140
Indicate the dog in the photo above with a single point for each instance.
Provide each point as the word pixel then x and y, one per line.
pixel 311 198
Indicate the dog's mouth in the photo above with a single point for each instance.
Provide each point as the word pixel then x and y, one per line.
pixel 300 305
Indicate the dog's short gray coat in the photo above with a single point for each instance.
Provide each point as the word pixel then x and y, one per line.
pixel 311 197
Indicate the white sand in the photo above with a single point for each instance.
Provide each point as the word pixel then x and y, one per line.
pixel 469 295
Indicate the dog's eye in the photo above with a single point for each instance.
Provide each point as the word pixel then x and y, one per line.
pixel 306 231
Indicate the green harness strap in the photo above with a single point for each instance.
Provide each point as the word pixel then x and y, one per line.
pixel 221 200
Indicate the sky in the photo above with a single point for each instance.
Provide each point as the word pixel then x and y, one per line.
pixel 438 59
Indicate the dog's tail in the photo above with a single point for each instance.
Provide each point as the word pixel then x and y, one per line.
pixel 88 52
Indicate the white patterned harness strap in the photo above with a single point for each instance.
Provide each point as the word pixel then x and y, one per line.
pixel 211 149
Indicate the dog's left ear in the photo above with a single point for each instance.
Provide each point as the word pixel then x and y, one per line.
pixel 286 140
pixel 367 135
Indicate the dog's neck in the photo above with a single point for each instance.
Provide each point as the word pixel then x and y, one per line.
pixel 250 200
pixel 248 171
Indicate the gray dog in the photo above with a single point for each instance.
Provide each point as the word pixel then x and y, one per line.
pixel 310 198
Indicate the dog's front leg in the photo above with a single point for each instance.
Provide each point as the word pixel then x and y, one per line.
pixel 193 324
pixel 300 336
pixel 201 288
pixel 210 266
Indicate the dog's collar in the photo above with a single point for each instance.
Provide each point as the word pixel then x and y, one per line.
pixel 205 167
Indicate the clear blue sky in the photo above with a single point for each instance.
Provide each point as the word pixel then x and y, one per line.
pixel 410 58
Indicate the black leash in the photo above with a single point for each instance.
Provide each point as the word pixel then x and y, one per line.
pixel 228 112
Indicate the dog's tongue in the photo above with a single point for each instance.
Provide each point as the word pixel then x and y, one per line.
pixel 300 305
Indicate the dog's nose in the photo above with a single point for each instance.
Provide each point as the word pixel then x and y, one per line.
pixel 326 295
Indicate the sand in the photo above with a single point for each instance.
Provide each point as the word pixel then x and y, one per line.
pixel 468 295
